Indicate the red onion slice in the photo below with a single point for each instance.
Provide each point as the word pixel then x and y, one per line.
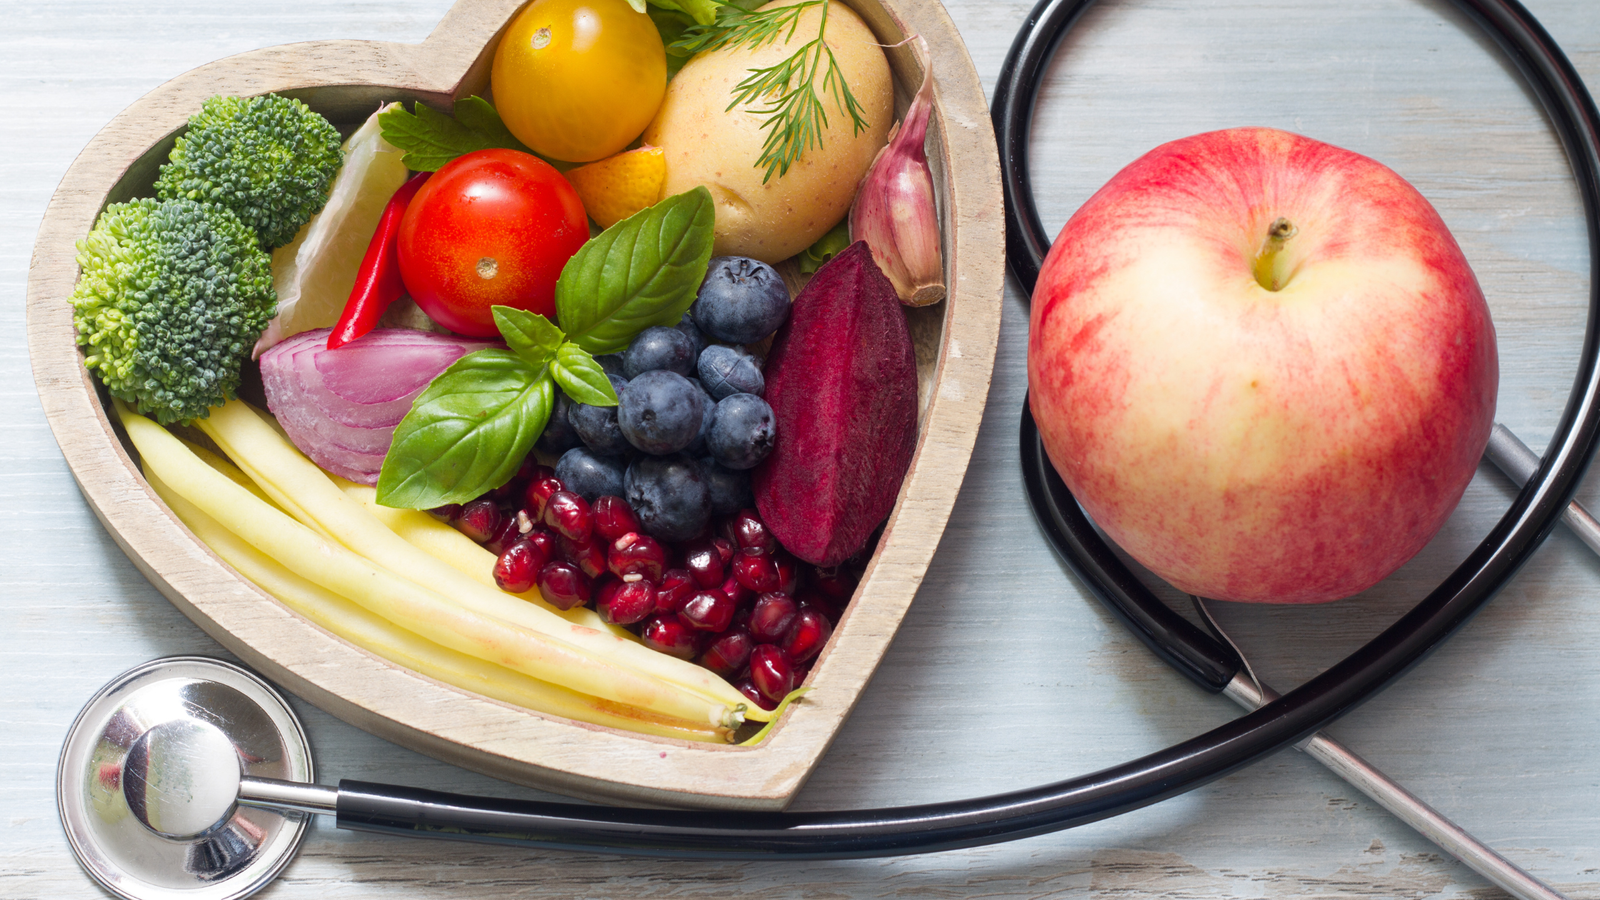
pixel 340 407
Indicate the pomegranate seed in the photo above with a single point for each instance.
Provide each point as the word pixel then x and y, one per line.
pixel 771 617
pixel 750 533
pixel 504 537
pixel 771 672
pixel 729 653
pixel 517 567
pixel 748 688
pixel 546 541
pixel 613 518
pixel 538 472
pixel 636 554
pixel 630 603
pixel 563 585
pixel 605 587
pixel 704 563
pixel 708 611
pixel 539 493
pixel 480 520
pixel 674 590
pixel 807 634
pixel 801 670
pixel 756 571
pixel 811 599
pixel 738 593
pixel 669 635
pixel 834 581
pixel 587 555
pixel 788 572
pixel 725 550
pixel 446 513
pixel 568 514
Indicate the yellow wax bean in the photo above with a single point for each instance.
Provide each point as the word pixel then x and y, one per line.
pixel 280 469
pixel 382 638
pixel 403 602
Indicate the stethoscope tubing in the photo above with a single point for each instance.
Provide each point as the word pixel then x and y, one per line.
pixel 1183 766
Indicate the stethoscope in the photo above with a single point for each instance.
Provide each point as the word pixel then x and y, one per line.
pixel 154 805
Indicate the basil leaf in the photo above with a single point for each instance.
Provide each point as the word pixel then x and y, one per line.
pixel 529 335
pixel 467 432
pixel 581 377
pixel 430 138
pixel 640 272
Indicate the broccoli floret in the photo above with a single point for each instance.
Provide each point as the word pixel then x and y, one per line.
pixel 269 159
pixel 173 295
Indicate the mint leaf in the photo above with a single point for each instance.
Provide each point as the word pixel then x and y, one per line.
pixel 581 377
pixel 640 272
pixel 430 138
pixel 531 336
pixel 467 432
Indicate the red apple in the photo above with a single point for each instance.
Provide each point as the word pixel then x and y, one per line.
pixel 1262 365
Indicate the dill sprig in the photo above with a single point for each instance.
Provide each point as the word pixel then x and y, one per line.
pixel 785 94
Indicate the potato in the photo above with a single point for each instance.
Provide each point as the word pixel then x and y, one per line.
pixel 707 143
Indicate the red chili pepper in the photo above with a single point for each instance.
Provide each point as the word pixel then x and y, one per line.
pixel 378 281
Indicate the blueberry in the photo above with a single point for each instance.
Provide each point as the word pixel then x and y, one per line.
pixel 559 436
pixel 669 495
pixel 612 364
pixel 729 488
pixel 741 300
pixel 597 425
pixel 660 412
pixel 687 326
pixel 743 431
pixel 708 412
pixel 589 475
pixel 659 348
pixel 728 370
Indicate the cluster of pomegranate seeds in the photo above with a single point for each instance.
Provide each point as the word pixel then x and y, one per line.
pixel 730 598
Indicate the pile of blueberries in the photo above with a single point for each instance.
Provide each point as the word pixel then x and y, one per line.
pixel 647 517
pixel 690 420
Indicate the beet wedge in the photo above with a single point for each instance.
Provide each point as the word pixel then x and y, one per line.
pixel 842 383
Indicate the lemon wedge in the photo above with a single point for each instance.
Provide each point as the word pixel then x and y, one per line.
pixel 313 273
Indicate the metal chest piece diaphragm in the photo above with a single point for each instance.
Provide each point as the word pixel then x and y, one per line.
pixel 148 782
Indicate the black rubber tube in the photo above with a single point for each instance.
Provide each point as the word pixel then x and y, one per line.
pixel 1139 782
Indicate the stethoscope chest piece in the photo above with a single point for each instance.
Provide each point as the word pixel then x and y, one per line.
pixel 148 782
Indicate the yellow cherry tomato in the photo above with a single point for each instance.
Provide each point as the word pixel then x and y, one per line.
pixel 578 80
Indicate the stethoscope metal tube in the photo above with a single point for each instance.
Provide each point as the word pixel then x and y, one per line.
pixel 1176 769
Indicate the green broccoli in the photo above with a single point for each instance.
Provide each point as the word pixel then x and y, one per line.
pixel 173 295
pixel 269 159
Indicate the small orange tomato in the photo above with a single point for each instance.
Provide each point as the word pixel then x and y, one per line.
pixel 489 228
pixel 578 80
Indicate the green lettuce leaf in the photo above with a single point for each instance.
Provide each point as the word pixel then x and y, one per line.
pixel 430 138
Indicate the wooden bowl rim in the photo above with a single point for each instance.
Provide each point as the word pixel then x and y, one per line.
pixel 443 721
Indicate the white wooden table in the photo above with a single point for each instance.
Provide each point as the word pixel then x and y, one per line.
pixel 1005 675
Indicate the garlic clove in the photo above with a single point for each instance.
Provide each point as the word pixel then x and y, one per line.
pixel 895 209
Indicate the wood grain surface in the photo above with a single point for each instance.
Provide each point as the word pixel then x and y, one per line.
pixel 1004 674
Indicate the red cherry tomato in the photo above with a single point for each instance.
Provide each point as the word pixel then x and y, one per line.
pixel 490 228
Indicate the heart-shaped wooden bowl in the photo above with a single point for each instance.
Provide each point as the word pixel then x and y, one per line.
pixel 345 81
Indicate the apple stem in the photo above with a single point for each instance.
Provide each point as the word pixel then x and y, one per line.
pixel 1272 268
